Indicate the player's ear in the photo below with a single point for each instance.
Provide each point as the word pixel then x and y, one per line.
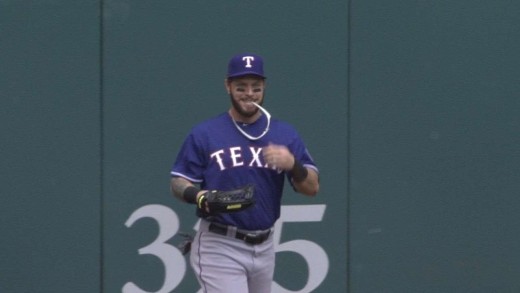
pixel 227 84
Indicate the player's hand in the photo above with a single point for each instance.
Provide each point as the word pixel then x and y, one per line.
pixel 202 203
pixel 278 156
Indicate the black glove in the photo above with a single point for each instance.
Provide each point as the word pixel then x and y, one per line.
pixel 217 201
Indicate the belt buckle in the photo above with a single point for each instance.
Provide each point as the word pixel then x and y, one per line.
pixel 254 239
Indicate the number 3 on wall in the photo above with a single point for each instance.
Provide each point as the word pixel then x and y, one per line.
pixel 175 265
pixel 172 258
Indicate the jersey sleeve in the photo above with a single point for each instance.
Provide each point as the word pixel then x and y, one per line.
pixel 190 162
pixel 302 154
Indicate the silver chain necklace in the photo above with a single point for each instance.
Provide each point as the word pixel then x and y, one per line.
pixel 266 128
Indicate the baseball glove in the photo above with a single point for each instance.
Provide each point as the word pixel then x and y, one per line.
pixel 230 201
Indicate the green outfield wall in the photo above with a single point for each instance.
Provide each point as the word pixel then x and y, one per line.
pixel 410 109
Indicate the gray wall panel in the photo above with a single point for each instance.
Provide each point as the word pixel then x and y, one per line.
pixel 434 146
pixel 49 98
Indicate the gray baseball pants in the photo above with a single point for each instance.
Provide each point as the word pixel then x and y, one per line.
pixel 225 264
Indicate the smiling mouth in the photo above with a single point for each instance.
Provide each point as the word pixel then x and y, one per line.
pixel 250 104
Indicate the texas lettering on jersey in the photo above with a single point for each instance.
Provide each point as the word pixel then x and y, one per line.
pixel 237 159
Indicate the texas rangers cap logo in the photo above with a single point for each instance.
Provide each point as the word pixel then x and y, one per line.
pixel 248 60
pixel 246 64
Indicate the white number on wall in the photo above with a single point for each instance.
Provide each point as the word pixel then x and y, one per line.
pixel 172 258
pixel 175 264
pixel 315 257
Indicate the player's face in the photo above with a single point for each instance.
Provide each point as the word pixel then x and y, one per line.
pixel 243 91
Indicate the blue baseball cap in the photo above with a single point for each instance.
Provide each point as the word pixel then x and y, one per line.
pixel 245 64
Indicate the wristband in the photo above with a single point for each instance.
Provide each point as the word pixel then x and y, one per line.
pixel 298 171
pixel 190 194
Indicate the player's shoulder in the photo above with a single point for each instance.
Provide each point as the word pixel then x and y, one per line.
pixel 212 123
pixel 281 130
pixel 282 125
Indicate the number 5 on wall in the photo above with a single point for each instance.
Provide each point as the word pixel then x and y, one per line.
pixel 315 257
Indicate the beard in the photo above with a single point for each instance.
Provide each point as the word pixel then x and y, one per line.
pixel 243 112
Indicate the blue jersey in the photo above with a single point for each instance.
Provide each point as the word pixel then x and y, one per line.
pixel 217 156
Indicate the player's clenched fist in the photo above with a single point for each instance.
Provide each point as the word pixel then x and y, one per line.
pixel 278 156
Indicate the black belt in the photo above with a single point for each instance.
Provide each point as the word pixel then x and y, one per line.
pixel 249 238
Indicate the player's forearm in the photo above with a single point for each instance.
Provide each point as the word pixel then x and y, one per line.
pixel 310 185
pixel 178 185
pixel 185 190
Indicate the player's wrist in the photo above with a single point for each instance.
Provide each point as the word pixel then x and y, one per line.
pixel 190 194
pixel 298 171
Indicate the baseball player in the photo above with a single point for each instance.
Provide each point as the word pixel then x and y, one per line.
pixel 233 249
